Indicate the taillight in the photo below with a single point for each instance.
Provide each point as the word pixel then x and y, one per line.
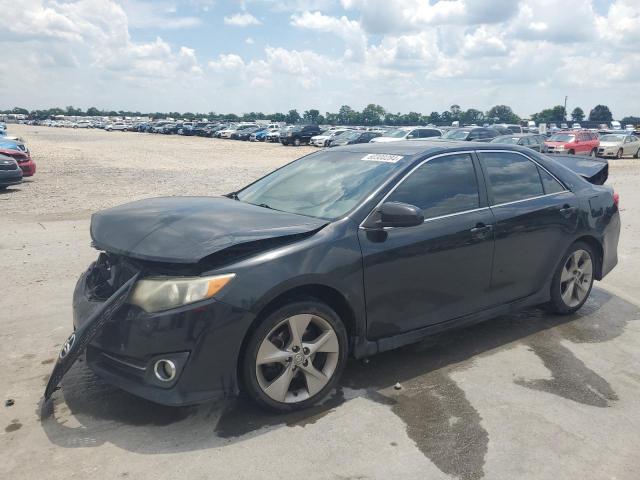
pixel 616 198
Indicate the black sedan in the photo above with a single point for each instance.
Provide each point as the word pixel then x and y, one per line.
pixel 349 251
pixel 10 172
pixel 351 137
pixel 472 134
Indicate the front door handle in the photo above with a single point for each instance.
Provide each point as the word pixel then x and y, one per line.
pixel 566 211
pixel 481 230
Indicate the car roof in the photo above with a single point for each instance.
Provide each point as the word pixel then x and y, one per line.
pixel 519 135
pixel 414 147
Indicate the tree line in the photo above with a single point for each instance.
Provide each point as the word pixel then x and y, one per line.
pixel 372 114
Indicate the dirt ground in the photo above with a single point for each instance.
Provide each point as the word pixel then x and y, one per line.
pixel 524 396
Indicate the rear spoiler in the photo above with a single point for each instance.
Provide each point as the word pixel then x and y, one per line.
pixel 593 171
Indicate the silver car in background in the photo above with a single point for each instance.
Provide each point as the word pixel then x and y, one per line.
pixel 618 145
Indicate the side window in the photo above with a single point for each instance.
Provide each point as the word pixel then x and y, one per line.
pixel 428 133
pixel 510 177
pixel 441 186
pixel 550 184
pixel 525 141
pixel 414 134
pixel 475 135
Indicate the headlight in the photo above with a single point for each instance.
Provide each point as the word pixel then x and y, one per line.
pixel 154 294
pixel 560 147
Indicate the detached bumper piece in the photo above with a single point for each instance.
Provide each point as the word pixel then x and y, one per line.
pixel 82 336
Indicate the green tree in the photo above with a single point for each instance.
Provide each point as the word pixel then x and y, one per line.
pixel 455 111
pixel 472 116
pixel 20 111
pixel 577 115
pixel 373 114
pixel 548 115
pixel 600 113
pixel 435 118
pixel 346 115
pixel 311 116
pixel 502 114
pixel 293 117
pixel 630 121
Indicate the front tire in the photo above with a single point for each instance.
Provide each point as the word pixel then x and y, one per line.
pixel 295 356
pixel 296 142
pixel 619 154
pixel 593 153
pixel 637 154
pixel 573 279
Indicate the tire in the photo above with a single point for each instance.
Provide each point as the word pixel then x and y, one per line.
pixel 593 153
pixel 296 142
pixel 282 384
pixel 576 274
pixel 619 154
pixel 571 152
pixel 637 154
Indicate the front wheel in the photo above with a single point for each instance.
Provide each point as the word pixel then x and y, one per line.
pixel 573 279
pixel 593 153
pixel 296 142
pixel 619 154
pixel 295 357
pixel 637 154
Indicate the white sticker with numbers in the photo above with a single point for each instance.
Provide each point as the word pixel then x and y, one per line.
pixel 382 157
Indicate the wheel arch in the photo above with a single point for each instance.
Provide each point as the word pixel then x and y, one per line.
pixel 312 291
pixel 596 245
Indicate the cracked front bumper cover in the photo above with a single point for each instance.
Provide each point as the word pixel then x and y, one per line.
pixel 84 334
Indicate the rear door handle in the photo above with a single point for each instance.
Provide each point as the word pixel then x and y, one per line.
pixel 480 230
pixel 567 210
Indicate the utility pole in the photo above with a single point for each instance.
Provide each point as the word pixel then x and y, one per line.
pixel 565 107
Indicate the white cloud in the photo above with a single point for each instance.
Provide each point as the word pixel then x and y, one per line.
pixel 349 30
pixel 241 20
pixel 249 41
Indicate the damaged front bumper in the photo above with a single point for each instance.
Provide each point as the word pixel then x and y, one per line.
pixel 201 342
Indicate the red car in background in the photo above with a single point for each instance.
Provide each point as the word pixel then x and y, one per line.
pixel 573 142
pixel 20 153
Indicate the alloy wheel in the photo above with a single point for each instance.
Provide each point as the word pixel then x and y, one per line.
pixel 576 278
pixel 297 358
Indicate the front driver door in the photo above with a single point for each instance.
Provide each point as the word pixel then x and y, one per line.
pixel 427 274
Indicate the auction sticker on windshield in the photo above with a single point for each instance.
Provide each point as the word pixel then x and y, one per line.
pixel 382 157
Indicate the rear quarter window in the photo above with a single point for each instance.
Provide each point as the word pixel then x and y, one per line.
pixel 510 177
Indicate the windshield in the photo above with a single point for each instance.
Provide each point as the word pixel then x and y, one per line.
pixel 398 133
pixel 612 138
pixel 9 145
pixel 457 134
pixel 506 140
pixel 562 137
pixel 324 185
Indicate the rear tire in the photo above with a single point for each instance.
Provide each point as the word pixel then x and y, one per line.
pixel 619 154
pixel 286 366
pixel 573 279
pixel 637 154
pixel 571 152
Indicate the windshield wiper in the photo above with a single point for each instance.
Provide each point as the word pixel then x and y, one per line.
pixel 232 196
pixel 264 205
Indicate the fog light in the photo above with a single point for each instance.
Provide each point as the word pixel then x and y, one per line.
pixel 165 370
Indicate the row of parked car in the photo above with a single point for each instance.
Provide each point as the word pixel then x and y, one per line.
pixel 15 159
pixel 569 140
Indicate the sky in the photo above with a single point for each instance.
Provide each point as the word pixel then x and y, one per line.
pixel 275 55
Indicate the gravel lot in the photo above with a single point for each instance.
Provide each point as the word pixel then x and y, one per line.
pixel 525 396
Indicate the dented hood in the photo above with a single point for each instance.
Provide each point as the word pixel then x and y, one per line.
pixel 187 229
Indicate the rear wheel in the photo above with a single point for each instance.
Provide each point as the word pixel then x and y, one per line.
pixel 619 154
pixel 571 152
pixel 637 154
pixel 573 280
pixel 295 357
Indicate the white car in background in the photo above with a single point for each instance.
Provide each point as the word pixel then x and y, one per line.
pixel 618 145
pixel 82 124
pixel 323 139
pixel 408 133
pixel 123 127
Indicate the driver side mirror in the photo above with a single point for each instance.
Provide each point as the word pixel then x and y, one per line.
pixel 411 135
pixel 395 214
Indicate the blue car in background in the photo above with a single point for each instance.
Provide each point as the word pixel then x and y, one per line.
pixel 259 136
